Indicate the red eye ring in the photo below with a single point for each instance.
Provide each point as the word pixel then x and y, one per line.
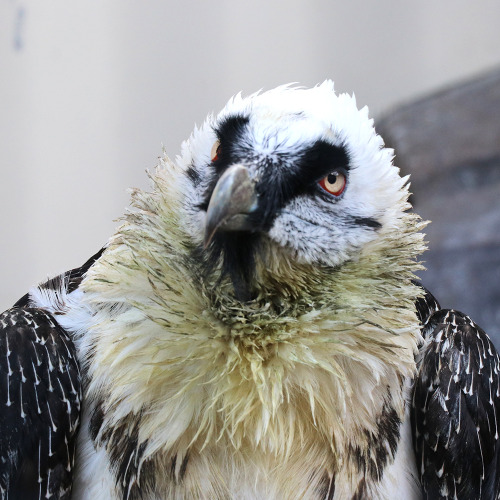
pixel 334 183
pixel 214 153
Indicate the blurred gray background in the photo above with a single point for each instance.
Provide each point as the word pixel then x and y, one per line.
pixel 90 91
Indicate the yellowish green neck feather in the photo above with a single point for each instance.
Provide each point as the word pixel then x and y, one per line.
pixel 318 346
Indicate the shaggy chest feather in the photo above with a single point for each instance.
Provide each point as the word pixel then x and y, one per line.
pixel 278 393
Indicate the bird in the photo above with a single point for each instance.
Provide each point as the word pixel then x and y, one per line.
pixel 254 329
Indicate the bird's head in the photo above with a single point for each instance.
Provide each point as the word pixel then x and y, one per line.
pixel 292 174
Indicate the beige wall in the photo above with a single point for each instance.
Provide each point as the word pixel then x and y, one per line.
pixel 89 91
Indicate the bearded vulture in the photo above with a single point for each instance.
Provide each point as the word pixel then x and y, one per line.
pixel 253 330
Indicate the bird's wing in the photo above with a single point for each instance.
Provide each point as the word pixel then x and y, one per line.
pixel 70 280
pixel 40 397
pixel 456 408
pixel 426 305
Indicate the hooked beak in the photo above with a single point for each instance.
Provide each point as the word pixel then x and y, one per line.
pixel 232 201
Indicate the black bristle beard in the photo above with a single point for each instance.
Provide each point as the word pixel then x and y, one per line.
pixel 235 253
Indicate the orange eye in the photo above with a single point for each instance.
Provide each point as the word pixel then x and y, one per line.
pixel 334 183
pixel 214 153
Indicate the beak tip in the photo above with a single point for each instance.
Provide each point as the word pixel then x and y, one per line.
pixel 206 241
